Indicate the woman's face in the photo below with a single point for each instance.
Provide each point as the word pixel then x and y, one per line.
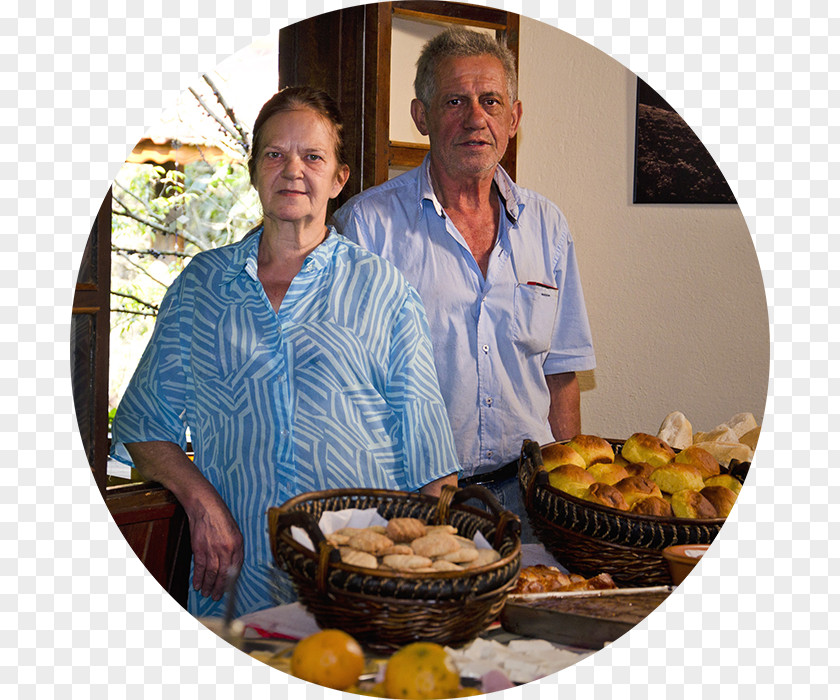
pixel 297 171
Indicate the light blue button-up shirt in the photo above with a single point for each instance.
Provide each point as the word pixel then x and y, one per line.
pixel 494 338
pixel 335 390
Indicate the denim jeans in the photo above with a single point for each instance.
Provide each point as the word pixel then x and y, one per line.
pixel 507 493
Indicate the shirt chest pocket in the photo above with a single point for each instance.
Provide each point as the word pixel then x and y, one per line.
pixel 534 314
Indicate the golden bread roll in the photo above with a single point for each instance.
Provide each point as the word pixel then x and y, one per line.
pixel 750 438
pixel 592 448
pixel 721 498
pixel 726 480
pixel 691 504
pixel 606 495
pixel 608 473
pixel 640 469
pixel 636 488
pixel 405 529
pixel 652 505
pixel 571 479
pixel 742 423
pixel 641 447
pixel 558 453
pixel 674 477
pixel 725 452
pixel 676 431
pixel 697 457
pixel 620 459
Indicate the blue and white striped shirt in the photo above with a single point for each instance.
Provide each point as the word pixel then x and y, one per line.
pixel 336 390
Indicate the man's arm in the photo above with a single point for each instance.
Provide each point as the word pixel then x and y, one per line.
pixel 433 487
pixel 216 540
pixel 564 411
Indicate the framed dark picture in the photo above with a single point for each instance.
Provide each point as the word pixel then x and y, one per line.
pixel 672 166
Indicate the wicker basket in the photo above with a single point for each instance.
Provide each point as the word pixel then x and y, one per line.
pixel 384 610
pixel 589 539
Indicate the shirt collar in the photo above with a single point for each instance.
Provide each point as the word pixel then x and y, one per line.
pixel 507 188
pixel 245 255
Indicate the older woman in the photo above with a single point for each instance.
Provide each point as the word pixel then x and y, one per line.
pixel 298 361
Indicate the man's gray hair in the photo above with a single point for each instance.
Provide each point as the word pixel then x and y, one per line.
pixel 459 42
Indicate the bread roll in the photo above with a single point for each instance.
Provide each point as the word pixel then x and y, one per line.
pixel 641 447
pixel 726 480
pixel 652 505
pixel 635 488
pixel 405 529
pixel 697 457
pixel 674 477
pixel 721 498
pixel 558 453
pixel 608 473
pixel 593 449
pixel 640 469
pixel 676 431
pixel 571 479
pixel 691 504
pixel 606 495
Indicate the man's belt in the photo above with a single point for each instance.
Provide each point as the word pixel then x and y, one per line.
pixel 508 471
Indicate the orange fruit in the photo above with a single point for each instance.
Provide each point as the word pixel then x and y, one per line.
pixel 421 671
pixel 331 658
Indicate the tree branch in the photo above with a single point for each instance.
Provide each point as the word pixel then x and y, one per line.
pixel 134 298
pixel 243 132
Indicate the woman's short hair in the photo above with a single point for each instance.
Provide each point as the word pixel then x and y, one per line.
pixel 458 42
pixel 298 97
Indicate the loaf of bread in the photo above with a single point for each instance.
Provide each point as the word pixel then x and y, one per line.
pixel 571 479
pixel 636 488
pixel 606 473
pixel 691 504
pixel 676 430
pixel 606 495
pixel 699 458
pixel 674 477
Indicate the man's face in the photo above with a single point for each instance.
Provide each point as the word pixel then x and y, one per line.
pixel 470 119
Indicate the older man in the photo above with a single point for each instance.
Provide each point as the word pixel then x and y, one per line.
pixel 494 264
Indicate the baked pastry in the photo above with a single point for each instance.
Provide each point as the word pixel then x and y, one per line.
pixel 721 498
pixel 723 433
pixel 355 557
pixel 406 562
pixel 676 431
pixel 674 477
pixel 571 479
pixel 558 453
pixel 636 488
pixel 405 529
pixel 608 473
pixel 697 457
pixel 485 557
pixel 540 578
pixel 640 469
pixel 606 495
pixel 726 480
pixel 641 447
pixel 370 541
pixel 691 504
pixel 601 582
pixel 435 545
pixel 592 448
pixel 652 505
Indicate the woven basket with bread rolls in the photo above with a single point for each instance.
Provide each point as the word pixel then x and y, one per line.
pixel 606 505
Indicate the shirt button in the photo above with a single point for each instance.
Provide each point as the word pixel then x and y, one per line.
pixel 489 453
pixel 486 348
pixel 489 400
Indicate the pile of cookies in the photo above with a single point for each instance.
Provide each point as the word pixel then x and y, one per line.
pixel 409 545
pixel 647 477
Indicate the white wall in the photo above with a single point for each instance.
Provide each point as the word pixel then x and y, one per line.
pixel 674 292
